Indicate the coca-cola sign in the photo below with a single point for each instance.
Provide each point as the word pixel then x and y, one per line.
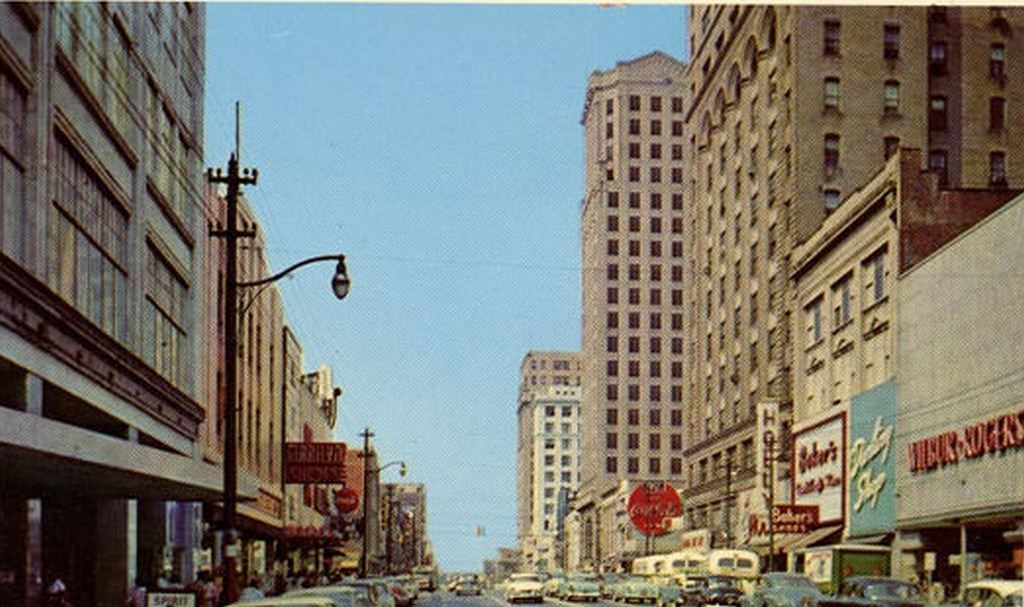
pixel 652 508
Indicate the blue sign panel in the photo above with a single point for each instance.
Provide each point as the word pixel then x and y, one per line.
pixel 871 472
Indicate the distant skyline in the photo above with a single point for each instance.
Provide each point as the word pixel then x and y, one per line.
pixel 439 148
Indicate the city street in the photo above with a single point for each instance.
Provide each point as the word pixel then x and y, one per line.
pixel 493 598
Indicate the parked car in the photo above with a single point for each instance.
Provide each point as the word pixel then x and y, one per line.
pixel 468 587
pixel 281 601
pixel 874 591
pixel 581 586
pixel 608 582
pixel 993 593
pixel 377 592
pixel 712 590
pixel 524 587
pixel 785 590
pixel 633 589
pixel 553 585
pixel 343 596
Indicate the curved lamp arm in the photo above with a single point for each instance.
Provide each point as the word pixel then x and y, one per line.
pixel 401 470
pixel 305 262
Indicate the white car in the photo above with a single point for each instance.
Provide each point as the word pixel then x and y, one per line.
pixel 524 587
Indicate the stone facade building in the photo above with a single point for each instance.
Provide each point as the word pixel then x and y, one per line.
pixel 789 110
pixel 632 241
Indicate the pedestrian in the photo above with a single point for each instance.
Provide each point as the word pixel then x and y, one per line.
pixel 137 596
pixel 280 585
pixel 56 594
pixel 211 592
pixel 252 591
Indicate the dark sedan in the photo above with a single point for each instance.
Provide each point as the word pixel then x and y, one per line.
pixel 871 591
pixel 785 590
pixel 707 591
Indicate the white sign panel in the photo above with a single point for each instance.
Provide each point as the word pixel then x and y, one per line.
pixel 767 442
pixel 170 599
pixel 818 565
pixel 819 465
pixel 698 539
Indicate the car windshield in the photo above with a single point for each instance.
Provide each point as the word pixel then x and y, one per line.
pixel 525 577
pixel 890 590
pixel 721 582
pixel 789 581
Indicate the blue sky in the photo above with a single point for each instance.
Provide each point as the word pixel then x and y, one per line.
pixel 439 148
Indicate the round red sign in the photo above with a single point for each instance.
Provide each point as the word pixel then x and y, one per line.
pixel 651 508
pixel 346 500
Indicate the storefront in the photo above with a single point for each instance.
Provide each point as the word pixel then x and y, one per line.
pixel 960 432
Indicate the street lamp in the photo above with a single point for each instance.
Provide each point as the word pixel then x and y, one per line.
pixel 364 562
pixel 340 284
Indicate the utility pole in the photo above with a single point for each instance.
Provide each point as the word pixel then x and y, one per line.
pixel 364 565
pixel 234 179
pixel 728 502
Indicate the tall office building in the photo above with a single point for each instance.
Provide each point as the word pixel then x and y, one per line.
pixel 789 110
pixel 101 130
pixel 548 449
pixel 633 246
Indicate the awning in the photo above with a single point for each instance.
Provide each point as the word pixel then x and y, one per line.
pixel 812 538
pixel 44 457
pixel 881 538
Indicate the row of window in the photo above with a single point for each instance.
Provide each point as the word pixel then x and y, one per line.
pixel 654 247
pixel 938 58
pixel 653 371
pixel 655 224
pixel 13 204
pixel 654 321
pixel 654 297
pixel 654 272
pixel 873 288
pixel 654 104
pixel 832 34
pixel 633 344
pixel 890 96
pixel 655 200
pixel 549 411
pixel 565 460
pixel 557 365
pixel 549 477
pixel 654 151
pixel 653 417
pixel 611 441
pixel 938 113
pixel 633 392
pixel 611 465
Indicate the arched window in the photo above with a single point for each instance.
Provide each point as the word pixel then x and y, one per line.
pixel 705 125
pixel 720 106
pixel 768 27
pixel 734 82
pixel 750 57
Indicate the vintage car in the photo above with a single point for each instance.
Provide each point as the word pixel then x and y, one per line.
pixel 524 587
pixel 468 587
pixel 582 587
pixel 281 601
pixel 635 589
pixel 993 593
pixel 607 583
pixel 343 596
pixel 553 585
pixel 711 590
pixel 874 591
pixel 784 590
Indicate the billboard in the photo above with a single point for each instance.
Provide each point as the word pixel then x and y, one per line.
pixel 871 471
pixel 311 463
pixel 819 468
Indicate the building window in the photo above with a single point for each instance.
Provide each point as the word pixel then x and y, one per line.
pixel 634 126
pixel 677 128
pixel 937 164
pixel 87 236
pixel 654 417
pixel 612 368
pixel 612 416
pixel 831 101
pixel 996 61
pixel 613 223
pixel 612 320
pixel 613 247
pixel 831 153
pixel 634 103
pixel 633 417
pixel 997 169
pixel 831 43
pixel 874 277
pixel 613 200
pixel 655 104
pixel 634 224
pixel 613 344
pixel 634 248
pixel 654 442
pixel 831 199
pixel 633 440
pixel 655 127
pixel 892 145
pixel 634 174
pixel 611 465
pixel 611 441
pixel 937 113
pixel 677 105
pixel 634 320
pixel 634 200
pixel 633 391
pixel 842 312
pixel 633 465
pixel 611 392
pixel 677 466
pixel 891 44
pixel 654 465
pixel 891 102
pixel 655 174
pixel 996 113
pixel 814 318
pixel 938 58
pixel 634 150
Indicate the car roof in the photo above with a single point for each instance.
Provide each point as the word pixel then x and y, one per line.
pixel 874 578
pixel 1001 586
pixel 299 601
